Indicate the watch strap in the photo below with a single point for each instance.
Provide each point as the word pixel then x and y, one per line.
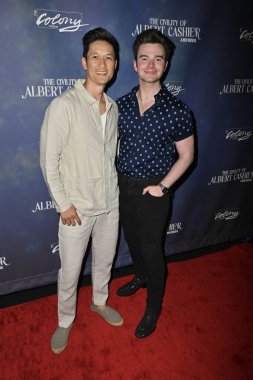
pixel 164 189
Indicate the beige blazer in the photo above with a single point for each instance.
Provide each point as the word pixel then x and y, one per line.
pixel 77 159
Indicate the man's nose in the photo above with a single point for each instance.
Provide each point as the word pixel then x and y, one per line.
pixel 102 61
pixel 151 63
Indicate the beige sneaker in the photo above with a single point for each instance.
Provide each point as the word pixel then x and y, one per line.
pixel 59 339
pixel 110 315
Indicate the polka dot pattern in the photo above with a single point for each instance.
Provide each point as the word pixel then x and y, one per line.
pixel 147 142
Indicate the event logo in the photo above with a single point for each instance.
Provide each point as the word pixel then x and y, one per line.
pixel 175 87
pixel 59 20
pixel 246 34
pixel 50 88
pixel 227 214
pixel 173 28
pixel 3 263
pixel 54 248
pixel 43 206
pixel 240 86
pixel 234 175
pixel 174 228
pixel 238 134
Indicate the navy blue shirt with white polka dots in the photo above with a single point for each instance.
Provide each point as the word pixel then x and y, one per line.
pixel 147 142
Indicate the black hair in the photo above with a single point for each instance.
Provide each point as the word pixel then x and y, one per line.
pixel 154 36
pixel 99 34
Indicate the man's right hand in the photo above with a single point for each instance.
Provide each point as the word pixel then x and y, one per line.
pixel 70 217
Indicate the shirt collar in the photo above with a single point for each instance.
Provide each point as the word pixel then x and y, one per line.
pixel 162 92
pixel 89 98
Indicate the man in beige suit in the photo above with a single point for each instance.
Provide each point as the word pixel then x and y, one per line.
pixel 77 155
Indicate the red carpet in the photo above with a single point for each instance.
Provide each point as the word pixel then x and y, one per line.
pixel 205 331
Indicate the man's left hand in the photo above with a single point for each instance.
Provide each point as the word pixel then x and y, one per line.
pixel 155 191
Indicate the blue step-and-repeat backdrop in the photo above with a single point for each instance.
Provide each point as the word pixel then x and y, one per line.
pixel 211 71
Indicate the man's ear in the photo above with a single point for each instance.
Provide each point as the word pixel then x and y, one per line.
pixel 84 63
pixel 135 65
pixel 166 65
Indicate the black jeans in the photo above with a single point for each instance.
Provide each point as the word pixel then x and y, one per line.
pixel 143 218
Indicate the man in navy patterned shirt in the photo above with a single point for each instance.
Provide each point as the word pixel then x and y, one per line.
pixel 156 149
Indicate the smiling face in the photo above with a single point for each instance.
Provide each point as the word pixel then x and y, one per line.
pixel 100 63
pixel 150 64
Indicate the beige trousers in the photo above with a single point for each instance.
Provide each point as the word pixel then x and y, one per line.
pixel 73 241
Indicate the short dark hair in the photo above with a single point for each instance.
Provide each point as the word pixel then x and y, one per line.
pixel 99 34
pixel 154 36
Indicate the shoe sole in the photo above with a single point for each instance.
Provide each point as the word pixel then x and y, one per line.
pixel 120 323
pixel 146 335
pixel 58 351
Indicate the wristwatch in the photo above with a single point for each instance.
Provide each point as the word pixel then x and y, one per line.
pixel 164 189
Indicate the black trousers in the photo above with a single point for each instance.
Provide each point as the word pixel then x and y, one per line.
pixel 144 218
